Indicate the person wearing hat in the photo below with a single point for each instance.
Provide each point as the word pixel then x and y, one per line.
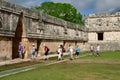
pixel 34 51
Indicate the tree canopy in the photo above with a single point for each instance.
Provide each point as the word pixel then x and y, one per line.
pixel 61 10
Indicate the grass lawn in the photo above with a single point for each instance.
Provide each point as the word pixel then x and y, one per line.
pixel 18 65
pixel 104 67
pixel 107 54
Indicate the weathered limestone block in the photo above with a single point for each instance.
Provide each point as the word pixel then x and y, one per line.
pixel 103 22
pixel 92 37
pixel 5 48
pixel 107 45
pixel 112 36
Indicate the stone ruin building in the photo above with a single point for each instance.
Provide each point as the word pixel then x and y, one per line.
pixel 104 29
pixel 20 24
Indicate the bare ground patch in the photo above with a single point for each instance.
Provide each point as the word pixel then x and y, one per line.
pixel 105 61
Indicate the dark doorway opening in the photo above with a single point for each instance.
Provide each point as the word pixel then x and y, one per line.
pixel 0 22
pixel 17 38
pixel 38 45
pixel 100 36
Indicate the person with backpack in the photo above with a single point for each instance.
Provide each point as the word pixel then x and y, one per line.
pixel 77 51
pixel 46 50
pixel 34 52
pixel 63 50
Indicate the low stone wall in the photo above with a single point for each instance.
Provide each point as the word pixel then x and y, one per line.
pixel 107 46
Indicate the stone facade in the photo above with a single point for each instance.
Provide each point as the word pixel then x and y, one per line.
pixel 104 29
pixel 20 24
pixel 5 48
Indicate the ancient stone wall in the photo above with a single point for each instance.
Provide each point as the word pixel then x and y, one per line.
pixel 20 24
pixel 103 22
pixel 5 48
pixel 108 25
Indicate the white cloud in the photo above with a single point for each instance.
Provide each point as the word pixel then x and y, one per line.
pixel 27 3
pixel 80 5
pixel 106 5
pixel 98 5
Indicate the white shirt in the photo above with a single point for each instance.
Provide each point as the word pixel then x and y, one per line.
pixel 60 51
pixel 91 48
pixel 98 48
pixel 71 48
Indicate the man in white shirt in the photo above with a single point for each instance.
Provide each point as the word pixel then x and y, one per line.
pixel 98 50
pixel 71 51
pixel 59 53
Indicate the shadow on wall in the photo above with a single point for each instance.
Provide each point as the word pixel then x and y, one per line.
pixel 18 37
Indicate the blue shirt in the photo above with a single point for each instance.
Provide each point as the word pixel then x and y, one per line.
pixel 20 47
pixel 78 49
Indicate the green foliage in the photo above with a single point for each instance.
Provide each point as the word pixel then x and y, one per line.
pixel 61 10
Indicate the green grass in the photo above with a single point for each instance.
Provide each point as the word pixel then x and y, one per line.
pixel 75 71
pixel 107 54
pixel 70 72
pixel 17 65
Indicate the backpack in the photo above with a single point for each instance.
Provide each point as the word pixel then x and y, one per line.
pixel 35 49
pixel 63 49
pixel 48 49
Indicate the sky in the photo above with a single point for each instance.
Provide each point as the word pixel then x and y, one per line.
pixel 83 6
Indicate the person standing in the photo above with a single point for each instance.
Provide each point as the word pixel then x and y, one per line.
pixel 71 51
pixel 59 53
pixel 20 50
pixel 33 51
pixel 77 51
pixel 46 50
pixel 92 49
pixel 63 50
pixel 24 52
pixel 98 50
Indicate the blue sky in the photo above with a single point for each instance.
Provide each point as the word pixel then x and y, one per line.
pixel 83 6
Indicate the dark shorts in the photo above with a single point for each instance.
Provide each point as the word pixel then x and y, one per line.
pixel 92 51
pixel 46 53
pixel 77 53
pixel 33 53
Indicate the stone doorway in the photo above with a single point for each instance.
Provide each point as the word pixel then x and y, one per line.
pixel 18 37
pixel 38 47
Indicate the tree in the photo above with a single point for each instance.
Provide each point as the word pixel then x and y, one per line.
pixel 61 10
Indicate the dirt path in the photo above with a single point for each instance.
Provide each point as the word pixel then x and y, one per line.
pixel 105 61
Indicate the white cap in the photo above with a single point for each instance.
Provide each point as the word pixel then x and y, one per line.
pixel 33 44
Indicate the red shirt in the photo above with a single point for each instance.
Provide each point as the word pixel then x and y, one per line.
pixel 45 48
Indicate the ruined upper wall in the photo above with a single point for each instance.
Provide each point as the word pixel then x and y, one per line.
pixel 115 14
pixel 38 25
pixel 103 22
pixel 17 9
